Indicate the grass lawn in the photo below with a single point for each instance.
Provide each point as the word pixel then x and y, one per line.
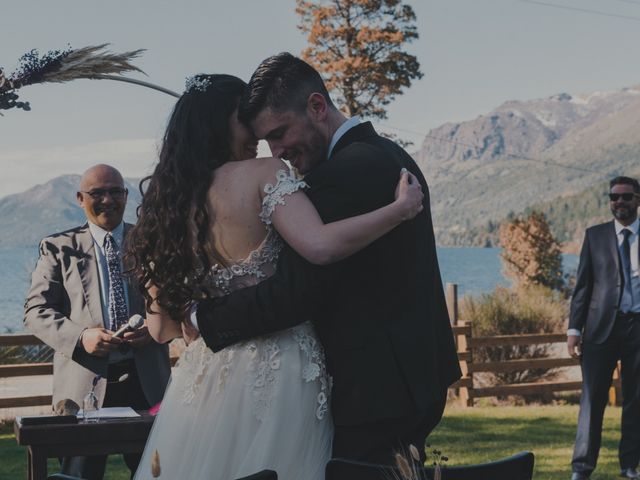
pixel 481 434
pixel 465 435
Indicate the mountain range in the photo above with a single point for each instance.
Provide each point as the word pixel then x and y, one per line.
pixel 553 154
pixel 526 153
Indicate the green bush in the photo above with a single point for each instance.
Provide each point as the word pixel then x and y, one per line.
pixel 530 309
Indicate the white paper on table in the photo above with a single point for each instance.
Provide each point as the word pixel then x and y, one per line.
pixel 112 412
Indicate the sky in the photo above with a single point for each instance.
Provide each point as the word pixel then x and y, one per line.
pixel 475 54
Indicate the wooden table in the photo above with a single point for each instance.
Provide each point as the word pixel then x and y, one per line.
pixel 126 435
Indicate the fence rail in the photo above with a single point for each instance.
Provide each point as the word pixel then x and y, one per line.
pixel 10 342
pixel 19 340
pixel 465 341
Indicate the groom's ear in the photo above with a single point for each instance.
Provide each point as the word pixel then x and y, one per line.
pixel 317 107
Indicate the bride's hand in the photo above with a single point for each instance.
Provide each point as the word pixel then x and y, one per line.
pixel 409 196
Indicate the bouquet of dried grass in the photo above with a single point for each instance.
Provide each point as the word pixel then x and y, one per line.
pixel 58 66
pixel 408 465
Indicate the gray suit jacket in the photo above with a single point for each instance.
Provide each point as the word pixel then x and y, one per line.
pixel 598 288
pixel 64 299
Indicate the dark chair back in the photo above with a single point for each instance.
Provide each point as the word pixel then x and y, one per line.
pixel 516 467
pixel 263 475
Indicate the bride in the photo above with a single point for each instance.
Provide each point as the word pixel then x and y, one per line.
pixel 208 225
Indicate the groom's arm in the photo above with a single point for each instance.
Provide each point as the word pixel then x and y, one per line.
pixel 355 181
pixel 279 302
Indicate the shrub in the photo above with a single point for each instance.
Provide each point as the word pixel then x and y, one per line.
pixel 526 309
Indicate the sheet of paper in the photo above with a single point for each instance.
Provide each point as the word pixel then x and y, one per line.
pixel 112 412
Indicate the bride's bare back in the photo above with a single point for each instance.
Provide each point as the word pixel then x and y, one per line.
pixel 234 203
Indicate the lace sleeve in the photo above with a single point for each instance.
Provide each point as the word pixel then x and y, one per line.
pixel 286 184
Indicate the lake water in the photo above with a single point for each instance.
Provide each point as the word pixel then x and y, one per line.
pixel 475 270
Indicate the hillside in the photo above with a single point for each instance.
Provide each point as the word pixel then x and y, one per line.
pixel 569 216
pixel 527 153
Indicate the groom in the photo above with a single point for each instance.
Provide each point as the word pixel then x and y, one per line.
pixel 381 314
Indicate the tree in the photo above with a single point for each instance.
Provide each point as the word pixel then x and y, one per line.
pixel 530 252
pixel 357 45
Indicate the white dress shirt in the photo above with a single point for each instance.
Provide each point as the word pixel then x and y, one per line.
pixel 342 129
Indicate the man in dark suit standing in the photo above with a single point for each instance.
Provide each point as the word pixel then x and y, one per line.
pixel 79 297
pixel 381 314
pixel 604 327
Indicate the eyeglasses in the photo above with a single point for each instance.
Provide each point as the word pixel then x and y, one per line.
pixel 627 197
pixel 99 193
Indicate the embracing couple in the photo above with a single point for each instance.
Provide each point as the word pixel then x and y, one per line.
pixel 311 295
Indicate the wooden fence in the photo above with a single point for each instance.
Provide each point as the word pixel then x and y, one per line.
pixel 27 370
pixel 465 341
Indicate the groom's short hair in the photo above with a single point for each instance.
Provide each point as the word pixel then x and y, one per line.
pixel 281 82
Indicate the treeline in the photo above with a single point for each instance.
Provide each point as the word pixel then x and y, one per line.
pixel 568 217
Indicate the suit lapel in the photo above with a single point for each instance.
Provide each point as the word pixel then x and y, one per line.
pixel 88 269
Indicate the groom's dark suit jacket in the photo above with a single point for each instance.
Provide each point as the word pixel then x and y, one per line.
pixel 381 313
pixel 599 284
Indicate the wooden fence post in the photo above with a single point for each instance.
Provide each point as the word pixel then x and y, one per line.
pixel 465 391
pixel 452 302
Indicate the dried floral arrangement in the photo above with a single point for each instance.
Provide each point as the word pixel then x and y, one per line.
pixel 59 66
pixel 409 466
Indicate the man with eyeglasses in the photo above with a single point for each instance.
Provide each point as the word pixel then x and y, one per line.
pixel 604 327
pixel 79 297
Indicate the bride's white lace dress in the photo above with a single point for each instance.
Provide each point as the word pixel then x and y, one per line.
pixel 261 404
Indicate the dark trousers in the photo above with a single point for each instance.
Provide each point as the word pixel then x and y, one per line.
pixel 378 442
pixel 127 393
pixel 597 363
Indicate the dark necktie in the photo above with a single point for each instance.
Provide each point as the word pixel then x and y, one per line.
pixel 626 302
pixel 117 304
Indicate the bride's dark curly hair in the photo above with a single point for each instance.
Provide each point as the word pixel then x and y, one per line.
pixel 170 246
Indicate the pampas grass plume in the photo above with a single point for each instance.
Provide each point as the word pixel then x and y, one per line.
pixel 414 453
pixel 404 467
pixel 155 464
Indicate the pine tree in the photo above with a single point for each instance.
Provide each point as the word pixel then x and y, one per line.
pixel 357 45
pixel 530 252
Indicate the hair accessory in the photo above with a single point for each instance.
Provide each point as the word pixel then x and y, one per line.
pixel 197 82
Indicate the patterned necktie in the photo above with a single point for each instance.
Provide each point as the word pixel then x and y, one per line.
pixel 626 301
pixel 118 314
